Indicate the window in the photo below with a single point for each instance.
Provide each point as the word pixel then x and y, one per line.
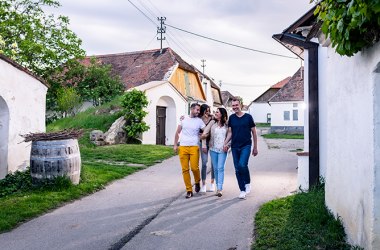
pixel 286 115
pixel 295 115
pixel 295 105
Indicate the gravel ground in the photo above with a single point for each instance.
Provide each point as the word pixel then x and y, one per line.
pixel 292 145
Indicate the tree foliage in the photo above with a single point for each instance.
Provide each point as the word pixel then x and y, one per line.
pixel 351 25
pixel 98 84
pixel 134 102
pixel 37 41
pixel 93 82
pixel 68 101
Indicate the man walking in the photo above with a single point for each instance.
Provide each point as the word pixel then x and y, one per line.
pixel 240 128
pixel 188 150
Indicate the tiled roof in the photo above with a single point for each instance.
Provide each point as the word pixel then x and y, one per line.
pixel 264 97
pixel 137 68
pixel 226 96
pixel 292 91
pixel 281 83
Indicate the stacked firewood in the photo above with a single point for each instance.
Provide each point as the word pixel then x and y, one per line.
pixel 59 135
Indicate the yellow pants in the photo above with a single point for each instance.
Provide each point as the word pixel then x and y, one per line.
pixel 189 154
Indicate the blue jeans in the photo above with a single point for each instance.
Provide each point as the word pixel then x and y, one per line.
pixel 218 161
pixel 241 157
pixel 204 158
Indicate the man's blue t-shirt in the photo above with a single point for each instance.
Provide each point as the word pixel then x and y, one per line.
pixel 241 130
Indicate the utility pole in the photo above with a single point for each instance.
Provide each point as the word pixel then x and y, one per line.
pixel 203 65
pixel 161 30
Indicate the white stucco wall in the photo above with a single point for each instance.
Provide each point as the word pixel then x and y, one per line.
pixel 25 98
pixel 278 109
pixel 348 143
pixel 259 111
pixel 163 94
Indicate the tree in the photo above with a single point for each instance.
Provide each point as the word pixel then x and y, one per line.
pixel 98 84
pixel 134 102
pixel 93 82
pixel 35 40
pixel 351 25
pixel 68 101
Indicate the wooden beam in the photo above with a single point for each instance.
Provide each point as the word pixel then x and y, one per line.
pixel 313 116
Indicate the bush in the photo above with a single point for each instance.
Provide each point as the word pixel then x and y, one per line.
pixel 22 181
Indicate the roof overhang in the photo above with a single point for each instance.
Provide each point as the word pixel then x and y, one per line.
pixel 293 37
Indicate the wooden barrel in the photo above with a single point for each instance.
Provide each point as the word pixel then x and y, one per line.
pixel 49 159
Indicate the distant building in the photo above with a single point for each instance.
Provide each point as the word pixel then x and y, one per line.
pixel 260 108
pixel 287 106
pixel 170 83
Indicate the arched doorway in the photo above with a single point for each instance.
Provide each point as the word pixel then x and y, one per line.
pixel 4 134
pixel 165 120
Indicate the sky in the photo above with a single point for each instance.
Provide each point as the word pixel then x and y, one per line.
pixel 116 26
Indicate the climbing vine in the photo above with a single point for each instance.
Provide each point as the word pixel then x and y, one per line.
pixel 351 25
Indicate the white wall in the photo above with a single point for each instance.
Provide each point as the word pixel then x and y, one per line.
pixel 348 143
pixel 278 109
pixel 25 98
pixel 163 95
pixel 259 111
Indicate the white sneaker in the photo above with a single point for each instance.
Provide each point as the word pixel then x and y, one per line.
pixel 242 195
pixel 247 188
pixel 203 189
pixel 212 187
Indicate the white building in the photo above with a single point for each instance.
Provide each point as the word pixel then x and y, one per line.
pixel 287 106
pixel 343 141
pixel 170 83
pixel 260 108
pixel 22 111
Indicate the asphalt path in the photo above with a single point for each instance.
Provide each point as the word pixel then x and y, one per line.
pixel 148 210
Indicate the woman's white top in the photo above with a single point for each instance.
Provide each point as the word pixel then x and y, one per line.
pixel 218 135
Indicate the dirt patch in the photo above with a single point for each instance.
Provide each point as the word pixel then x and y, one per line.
pixel 293 145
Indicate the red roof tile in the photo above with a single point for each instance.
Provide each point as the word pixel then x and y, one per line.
pixel 292 91
pixel 281 83
pixel 137 68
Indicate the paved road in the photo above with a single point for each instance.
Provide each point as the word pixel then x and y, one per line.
pixel 147 210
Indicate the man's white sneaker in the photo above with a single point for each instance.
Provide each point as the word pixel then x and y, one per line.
pixel 242 195
pixel 247 188
pixel 203 189
pixel 212 187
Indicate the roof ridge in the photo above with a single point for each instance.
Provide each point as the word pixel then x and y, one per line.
pixel 127 53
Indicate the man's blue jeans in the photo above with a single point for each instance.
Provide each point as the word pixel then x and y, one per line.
pixel 241 157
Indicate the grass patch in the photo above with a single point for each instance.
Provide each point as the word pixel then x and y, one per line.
pixel 26 204
pixel 141 154
pixel 259 125
pixel 300 221
pixel 20 202
pixel 283 136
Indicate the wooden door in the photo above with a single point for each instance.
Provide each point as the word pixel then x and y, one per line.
pixel 160 125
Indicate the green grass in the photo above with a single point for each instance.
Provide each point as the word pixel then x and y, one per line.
pixel 283 136
pixel 141 154
pixel 300 221
pixel 20 205
pixel 262 125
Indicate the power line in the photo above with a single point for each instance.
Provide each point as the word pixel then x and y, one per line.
pixel 147 9
pixel 231 44
pixel 142 12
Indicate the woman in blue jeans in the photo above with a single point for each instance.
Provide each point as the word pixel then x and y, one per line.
pixel 206 117
pixel 217 129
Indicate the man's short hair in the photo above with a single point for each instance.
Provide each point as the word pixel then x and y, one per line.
pixel 194 105
pixel 236 100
